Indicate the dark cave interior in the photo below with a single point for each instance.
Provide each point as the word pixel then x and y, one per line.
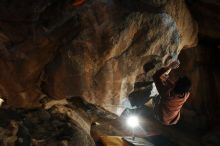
pixel 66 66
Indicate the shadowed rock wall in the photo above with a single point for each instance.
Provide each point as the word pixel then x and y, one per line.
pixel 201 64
pixel 206 13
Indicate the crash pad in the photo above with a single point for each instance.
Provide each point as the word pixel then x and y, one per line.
pixel 113 141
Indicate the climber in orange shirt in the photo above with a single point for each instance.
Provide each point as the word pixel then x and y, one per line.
pixel 168 97
pixel 171 97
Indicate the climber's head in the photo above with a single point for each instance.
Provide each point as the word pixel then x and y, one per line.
pixel 182 86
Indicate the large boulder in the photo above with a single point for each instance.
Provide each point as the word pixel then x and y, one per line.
pixel 114 42
pixel 96 50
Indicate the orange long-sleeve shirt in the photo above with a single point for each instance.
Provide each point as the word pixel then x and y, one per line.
pixel 168 108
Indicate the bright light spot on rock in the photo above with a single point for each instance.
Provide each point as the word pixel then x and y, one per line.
pixel 1 101
pixel 133 121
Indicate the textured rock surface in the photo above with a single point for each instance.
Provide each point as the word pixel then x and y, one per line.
pixel 186 25
pixel 27 45
pixel 97 49
pixel 41 127
pixel 60 124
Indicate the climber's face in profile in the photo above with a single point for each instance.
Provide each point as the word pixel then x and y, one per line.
pixel 182 87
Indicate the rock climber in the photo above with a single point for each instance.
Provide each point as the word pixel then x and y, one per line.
pixel 167 97
pixel 172 96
